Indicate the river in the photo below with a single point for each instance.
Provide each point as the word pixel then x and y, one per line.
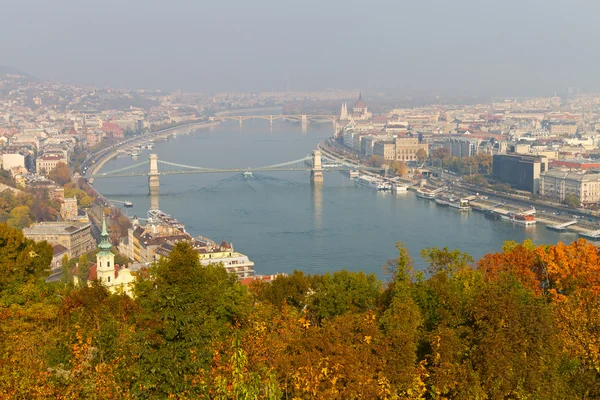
pixel 283 223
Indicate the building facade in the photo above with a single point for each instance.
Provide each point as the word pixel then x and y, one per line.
pixel 462 147
pixel 560 183
pixel 407 147
pixel 74 236
pixel 46 163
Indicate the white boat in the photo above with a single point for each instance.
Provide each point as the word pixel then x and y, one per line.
pixel 128 204
pixel 398 188
pixel 372 182
pixel 425 194
pixel 460 204
pixel 353 174
pixel 248 174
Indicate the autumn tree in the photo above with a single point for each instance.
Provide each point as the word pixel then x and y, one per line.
pixel 60 174
pixel 421 155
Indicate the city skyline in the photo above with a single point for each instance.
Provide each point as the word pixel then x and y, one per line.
pixel 459 48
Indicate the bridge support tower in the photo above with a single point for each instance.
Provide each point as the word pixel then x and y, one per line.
pixel 316 174
pixel 153 183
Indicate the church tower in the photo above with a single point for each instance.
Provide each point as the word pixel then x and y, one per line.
pixel 105 259
pixel 344 112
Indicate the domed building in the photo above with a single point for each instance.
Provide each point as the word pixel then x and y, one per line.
pixel 360 112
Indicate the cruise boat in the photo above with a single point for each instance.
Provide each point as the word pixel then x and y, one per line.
pixel 520 218
pixel 595 236
pixel 373 183
pixel 425 194
pixel 459 204
pixel 491 214
pixel 442 201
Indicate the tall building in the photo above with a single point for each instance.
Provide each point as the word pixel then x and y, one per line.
pixel 360 111
pixel 462 147
pixel 520 171
pixel 74 236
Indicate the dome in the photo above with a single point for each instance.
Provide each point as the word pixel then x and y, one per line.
pixel 360 103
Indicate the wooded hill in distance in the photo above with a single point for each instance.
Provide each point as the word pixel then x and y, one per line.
pixel 523 323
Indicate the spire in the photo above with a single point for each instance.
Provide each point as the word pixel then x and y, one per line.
pixel 104 242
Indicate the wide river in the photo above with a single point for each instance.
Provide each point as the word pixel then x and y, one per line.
pixel 284 223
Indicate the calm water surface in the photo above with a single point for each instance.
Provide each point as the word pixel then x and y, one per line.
pixel 284 223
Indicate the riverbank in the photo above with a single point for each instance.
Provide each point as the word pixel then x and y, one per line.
pixel 116 148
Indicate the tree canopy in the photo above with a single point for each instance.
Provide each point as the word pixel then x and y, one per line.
pixel 520 323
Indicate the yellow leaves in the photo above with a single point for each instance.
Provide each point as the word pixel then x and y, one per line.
pixel 367 339
pixel 304 322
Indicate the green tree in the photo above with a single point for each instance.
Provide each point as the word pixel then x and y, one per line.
pixel 187 306
pixel 572 201
pixel 343 292
pixel 21 259
pixel 83 269
pixel 66 276
pixel 60 174
pixel 19 217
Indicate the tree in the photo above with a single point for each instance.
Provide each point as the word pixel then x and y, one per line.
pixel 186 306
pixel 572 201
pixel 19 217
pixel 421 155
pixel 21 259
pixel 83 269
pixel 60 174
pixel 398 167
pixel 66 276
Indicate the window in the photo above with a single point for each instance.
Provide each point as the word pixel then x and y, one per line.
pixel 108 278
pixel 108 265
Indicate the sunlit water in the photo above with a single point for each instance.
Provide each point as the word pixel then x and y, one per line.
pixel 284 223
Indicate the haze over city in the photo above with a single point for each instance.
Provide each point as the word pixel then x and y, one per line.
pixel 404 48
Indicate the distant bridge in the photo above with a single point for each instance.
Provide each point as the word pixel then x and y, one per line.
pixel 304 119
pixel 153 168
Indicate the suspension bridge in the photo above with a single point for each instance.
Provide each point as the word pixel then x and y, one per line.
pixel 153 168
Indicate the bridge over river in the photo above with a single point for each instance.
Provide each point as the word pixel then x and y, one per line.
pixel 153 168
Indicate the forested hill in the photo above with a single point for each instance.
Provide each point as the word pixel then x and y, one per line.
pixel 522 323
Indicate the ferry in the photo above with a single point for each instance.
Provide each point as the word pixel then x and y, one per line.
pixel 442 201
pixel 595 236
pixel 372 182
pixel 491 214
pixel 520 218
pixel 459 204
pixel 425 194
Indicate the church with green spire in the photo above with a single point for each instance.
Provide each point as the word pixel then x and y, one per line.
pixel 116 278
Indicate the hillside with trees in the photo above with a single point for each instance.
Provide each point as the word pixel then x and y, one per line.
pixel 521 323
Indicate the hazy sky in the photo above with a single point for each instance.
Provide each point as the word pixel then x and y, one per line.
pixel 478 47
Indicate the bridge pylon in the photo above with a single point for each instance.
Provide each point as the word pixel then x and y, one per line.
pixel 153 183
pixel 316 174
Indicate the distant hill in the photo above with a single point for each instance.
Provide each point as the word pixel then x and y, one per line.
pixel 7 70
